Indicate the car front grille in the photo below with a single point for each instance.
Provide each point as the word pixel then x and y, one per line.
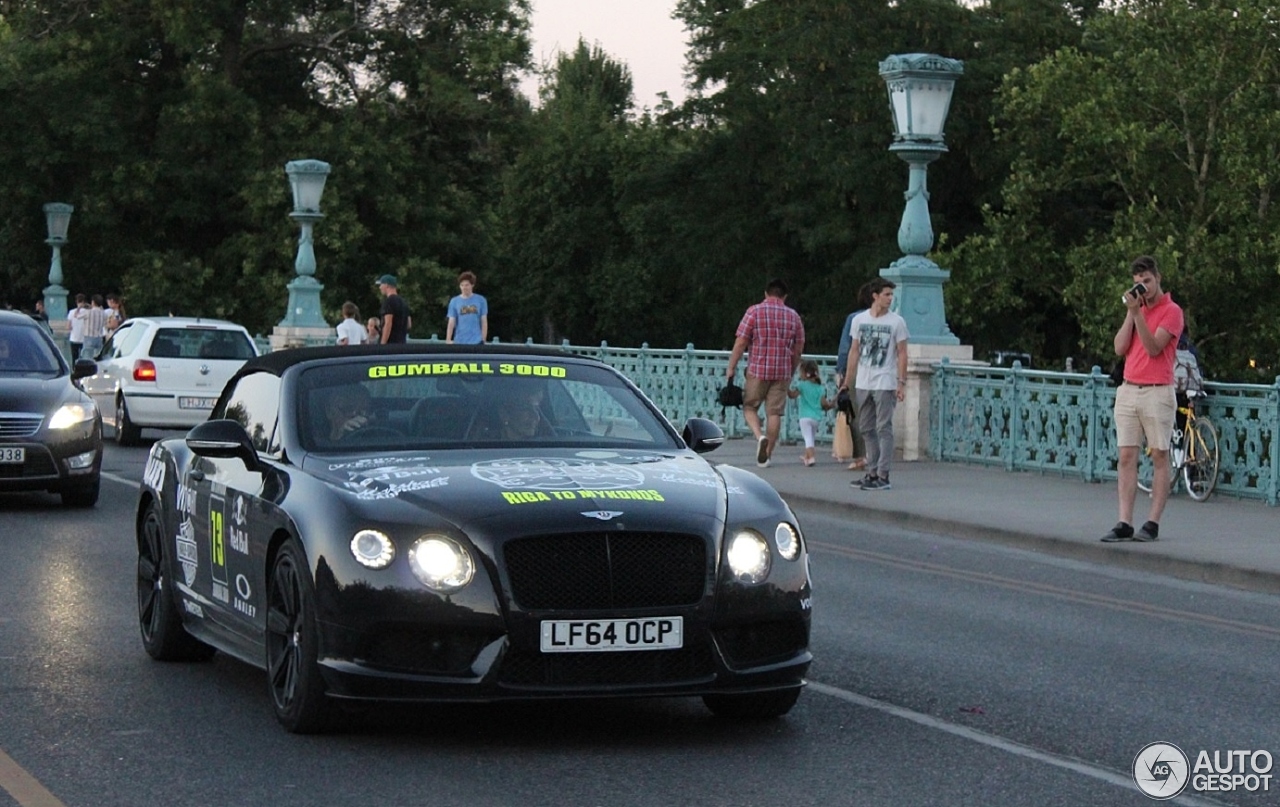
pixel 19 424
pixel 605 571
pixel 687 664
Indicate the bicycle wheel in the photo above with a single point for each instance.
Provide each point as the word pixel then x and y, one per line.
pixel 1200 473
pixel 1146 473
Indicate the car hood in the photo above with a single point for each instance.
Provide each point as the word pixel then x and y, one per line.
pixel 556 488
pixel 33 394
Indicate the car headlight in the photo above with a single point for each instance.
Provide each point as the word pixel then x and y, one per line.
pixel 373 549
pixel 441 563
pixel 787 539
pixel 69 415
pixel 749 557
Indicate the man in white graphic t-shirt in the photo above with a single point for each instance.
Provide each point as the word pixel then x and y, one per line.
pixel 878 369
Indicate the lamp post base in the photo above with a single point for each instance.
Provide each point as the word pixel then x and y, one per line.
pixel 918 299
pixel 304 304
pixel 283 337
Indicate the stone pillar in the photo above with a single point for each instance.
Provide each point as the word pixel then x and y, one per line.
pixel 911 417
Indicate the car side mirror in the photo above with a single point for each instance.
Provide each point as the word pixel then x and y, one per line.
pixel 702 435
pixel 223 439
pixel 83 368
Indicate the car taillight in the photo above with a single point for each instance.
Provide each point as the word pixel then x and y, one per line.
pixel 144 370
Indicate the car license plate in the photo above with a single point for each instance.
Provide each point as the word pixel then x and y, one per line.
pixel 582 635
pixel 196 403
pixel 13 456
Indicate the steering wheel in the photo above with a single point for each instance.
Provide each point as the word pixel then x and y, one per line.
pixel 373 433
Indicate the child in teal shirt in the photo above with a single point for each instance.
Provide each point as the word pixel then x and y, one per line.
pixel 813 402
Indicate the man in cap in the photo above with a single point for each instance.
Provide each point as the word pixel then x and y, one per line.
pixel 395 313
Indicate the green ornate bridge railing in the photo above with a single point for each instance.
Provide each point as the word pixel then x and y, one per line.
pixel 1035 420
pixel 1025 420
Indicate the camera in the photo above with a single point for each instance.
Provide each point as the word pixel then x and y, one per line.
pixel 1138 290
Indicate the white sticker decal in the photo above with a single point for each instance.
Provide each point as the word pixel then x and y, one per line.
pixel 187 553
pixel 555 473
pixel 153 474
pixel 394 490
pixel 377 462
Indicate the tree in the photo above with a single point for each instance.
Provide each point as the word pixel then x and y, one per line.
pixel 168 125
pixel 570 272
pixel 1158 136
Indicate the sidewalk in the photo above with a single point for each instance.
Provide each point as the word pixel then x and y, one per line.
pixel 1225 541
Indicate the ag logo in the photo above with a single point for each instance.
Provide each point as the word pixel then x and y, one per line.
pixel 1160 770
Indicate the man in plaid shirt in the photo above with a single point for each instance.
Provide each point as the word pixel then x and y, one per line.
pixel 773 337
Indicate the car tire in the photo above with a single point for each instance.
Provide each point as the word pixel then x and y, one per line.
pixel 293 672
pixel 127 434
pixel 82 494
pixel 753 705
pixel 163 636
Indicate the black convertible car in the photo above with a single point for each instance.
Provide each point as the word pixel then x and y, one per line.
pixel 438 523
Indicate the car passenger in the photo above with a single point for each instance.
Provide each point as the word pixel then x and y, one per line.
pixel 518 415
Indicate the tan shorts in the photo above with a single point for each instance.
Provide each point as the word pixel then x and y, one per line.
pixel 1145 412
pixel 772 393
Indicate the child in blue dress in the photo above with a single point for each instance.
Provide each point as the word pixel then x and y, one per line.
pixel 813 402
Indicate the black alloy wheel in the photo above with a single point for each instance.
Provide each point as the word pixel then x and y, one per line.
pixel 127 433
pixel 158 617
pixel 293 674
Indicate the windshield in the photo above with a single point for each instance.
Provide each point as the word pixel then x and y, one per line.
pixel 461 402
pixel 23 351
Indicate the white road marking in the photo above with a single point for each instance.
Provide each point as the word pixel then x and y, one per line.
pixel 124 480
pixel 999 743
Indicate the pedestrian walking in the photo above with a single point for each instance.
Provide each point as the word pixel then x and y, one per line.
pixel 813 405
pixel 1146 402
pixel 350 331
pixel 396 320
pixel 772 336
pixel 848 445
pixel 468 314
pixel 95 327
pixel 877 369
pixel 373 331
pixel 75 317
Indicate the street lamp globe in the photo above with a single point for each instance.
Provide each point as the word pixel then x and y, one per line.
pixel 57 217
pixel 306 179
pixel 920 87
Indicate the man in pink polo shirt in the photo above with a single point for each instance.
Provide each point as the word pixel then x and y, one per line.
pixel 1146 402
pixel 772 336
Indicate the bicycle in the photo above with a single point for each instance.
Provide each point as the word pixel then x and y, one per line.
pixel 1193 454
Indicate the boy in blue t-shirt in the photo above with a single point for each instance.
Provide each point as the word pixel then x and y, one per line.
pixel 468 314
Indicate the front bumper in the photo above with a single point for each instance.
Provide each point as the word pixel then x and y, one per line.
pixel 468 666
pixel 50 466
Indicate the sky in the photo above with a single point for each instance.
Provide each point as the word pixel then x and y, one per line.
pixel 638 33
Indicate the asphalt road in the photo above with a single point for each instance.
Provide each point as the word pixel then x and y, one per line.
pixel 948 672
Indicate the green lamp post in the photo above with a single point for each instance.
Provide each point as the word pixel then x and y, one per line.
pixel 57 217
pixel 920 87
pixel 306 179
